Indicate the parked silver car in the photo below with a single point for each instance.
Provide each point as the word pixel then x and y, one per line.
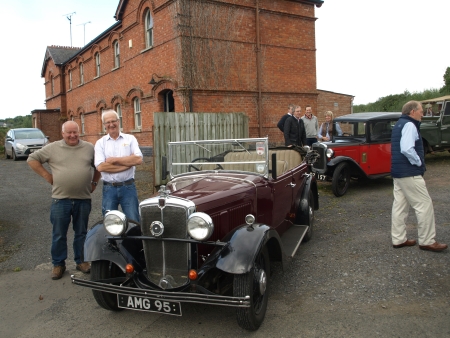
pixel 21 142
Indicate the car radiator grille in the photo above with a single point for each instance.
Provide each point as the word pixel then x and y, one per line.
pixel 321 163
pixel 167 262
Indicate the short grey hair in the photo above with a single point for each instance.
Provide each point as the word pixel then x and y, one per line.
pixel 107 111
pixel 409 106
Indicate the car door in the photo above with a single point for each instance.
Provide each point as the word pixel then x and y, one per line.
pixel 282 195
pixel 378 156
pixel 8 144
pixel 445 124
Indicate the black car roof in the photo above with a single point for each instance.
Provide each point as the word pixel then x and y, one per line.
pixel 361 117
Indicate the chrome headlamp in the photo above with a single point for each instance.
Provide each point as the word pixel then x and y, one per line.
pixel 115 223
pixel 330 153
pixel 200 226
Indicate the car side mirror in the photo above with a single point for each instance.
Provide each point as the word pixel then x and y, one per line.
pixel 274 166
pixel 47 137
pixel 163 168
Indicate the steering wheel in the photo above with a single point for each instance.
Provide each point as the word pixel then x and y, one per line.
pixel 202 159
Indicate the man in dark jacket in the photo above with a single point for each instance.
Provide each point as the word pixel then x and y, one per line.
pixel 294 130
pixel 283 119
pixel 407 169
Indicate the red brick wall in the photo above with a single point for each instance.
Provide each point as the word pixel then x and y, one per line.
pixel 49 121
pixel 287 35
pixel 339 104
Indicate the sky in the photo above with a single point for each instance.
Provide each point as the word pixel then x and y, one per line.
pixel 365 48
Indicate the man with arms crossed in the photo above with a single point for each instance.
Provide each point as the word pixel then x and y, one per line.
pixel 71 161
pixel 116 155
pixel 407 169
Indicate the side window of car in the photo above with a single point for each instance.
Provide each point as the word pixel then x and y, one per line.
pixel 381 131
pixel 446 115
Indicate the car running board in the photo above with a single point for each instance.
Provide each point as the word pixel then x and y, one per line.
pixel 292 238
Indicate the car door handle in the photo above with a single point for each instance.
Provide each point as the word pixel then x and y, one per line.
pixel 291 185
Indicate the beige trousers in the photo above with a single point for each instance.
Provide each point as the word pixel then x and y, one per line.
pixel 412 191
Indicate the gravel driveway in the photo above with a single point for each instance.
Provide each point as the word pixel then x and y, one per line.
pixel 347 281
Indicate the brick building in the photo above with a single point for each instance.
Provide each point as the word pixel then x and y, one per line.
pixel 251 56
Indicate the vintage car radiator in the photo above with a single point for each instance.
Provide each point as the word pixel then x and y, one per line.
pixel 167 261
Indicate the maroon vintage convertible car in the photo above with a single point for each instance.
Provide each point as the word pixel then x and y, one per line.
pixel 209 236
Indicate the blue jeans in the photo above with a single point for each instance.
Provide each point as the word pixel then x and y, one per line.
pixel 61 213
pixel 126 196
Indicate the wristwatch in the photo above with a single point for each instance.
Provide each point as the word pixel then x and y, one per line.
pixel 94 183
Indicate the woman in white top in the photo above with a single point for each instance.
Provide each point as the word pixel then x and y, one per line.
pixel 326 129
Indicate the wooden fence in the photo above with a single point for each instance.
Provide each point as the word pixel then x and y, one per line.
pixel 173 127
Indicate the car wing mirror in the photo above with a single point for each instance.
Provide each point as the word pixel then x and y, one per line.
pixel 164 168
pixel 274 166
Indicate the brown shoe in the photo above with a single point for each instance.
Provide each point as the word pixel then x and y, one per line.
pixel 58 272
pixel 434 247
pixel 408 242
pixel 84 267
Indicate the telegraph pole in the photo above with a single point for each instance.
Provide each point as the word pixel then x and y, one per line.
pixel 84 31
pixel 69 17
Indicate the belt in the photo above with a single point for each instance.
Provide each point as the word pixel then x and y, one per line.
pixel 119 184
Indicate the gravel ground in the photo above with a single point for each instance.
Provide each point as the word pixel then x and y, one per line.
pixel 347 281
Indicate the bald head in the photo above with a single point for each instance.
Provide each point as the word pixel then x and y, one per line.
pixel 69 124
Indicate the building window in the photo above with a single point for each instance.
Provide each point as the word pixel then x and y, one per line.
pixel 82 123
pixel 116 54
pixel 148 29
pixel 81 74
pixel 97 64
pixel 119 112
pixel 137 113
pixel 53 85
pixel 70 80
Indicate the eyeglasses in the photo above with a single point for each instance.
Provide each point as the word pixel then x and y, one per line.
pixel 110 122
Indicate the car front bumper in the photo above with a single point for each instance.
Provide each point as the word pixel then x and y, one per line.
pixel 176 296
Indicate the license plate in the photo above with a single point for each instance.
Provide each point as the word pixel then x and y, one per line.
pixel 320 177
pixel 149 304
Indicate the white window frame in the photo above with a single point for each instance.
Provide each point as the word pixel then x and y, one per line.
pixel 119 112
pixel 82 123
pixel 52 80
pixel 70 80
pixel 97 64
pixel 137 113
pixel 81 73
pixel 148 29
pixel 116 54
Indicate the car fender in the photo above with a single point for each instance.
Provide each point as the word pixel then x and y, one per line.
pixel 332 164
pixel 238 256
pixel 97 247
pixel 303 205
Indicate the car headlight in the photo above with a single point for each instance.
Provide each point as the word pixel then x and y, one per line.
pixel 330 153
pixel 115 222
pixel 21 147
pixel 200 226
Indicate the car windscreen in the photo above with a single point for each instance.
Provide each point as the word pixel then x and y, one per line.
pixel 244 155
pixel 28 134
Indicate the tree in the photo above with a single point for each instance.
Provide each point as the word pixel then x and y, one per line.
pixel 446 88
